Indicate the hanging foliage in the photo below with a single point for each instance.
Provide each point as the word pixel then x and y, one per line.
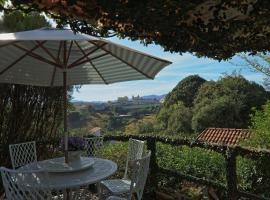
pixel 212 28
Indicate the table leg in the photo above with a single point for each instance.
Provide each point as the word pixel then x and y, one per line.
pixel 99 190
pixel 66 194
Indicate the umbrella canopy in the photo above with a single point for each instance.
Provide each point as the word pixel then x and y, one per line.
pixel 57 57
pixel 39 58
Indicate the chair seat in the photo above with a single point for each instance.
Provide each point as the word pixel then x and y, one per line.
pixel 115 198
pixel 117 186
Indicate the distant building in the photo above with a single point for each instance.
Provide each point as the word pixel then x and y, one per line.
pixel 96 131
pixel 124 116
pixel 134 98
pixel 224 136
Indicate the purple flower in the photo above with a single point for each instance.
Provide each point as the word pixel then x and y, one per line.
pixel 74 143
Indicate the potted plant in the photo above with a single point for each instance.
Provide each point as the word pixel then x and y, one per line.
pixel 75 146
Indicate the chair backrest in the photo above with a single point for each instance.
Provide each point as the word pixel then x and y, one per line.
pixel 27 185
pixel 135 151
pixel 140 170
pixel 93 146
pixel 22 154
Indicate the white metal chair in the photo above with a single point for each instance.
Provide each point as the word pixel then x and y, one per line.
pixel 94 146
pixel 34 185
pixel 25 185
pixel 22 154
pixel 121 186
pixel 140 171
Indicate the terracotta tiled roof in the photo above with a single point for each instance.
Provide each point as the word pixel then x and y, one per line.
pixel 93 130
pixel 227 136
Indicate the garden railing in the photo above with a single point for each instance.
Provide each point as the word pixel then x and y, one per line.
pixel 229 152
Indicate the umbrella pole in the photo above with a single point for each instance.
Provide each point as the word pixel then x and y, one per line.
pixel 65 114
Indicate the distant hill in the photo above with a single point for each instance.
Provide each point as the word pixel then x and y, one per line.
pixel 78 102
pixel 154 97
pixel 148 97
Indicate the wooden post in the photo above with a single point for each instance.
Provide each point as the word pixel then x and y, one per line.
pixel 231 176
pixel 153 183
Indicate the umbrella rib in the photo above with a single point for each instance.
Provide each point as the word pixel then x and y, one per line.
pixel 91 63
pixel 87 60
pixel 69 50
pixel 58 61
pixel 53 76
pixel 59 51
pixel 94 50
pixel 20 58
pixel 123 61
pixel 38 57
pixel 47 51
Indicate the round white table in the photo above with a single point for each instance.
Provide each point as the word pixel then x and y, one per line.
pixel 100 170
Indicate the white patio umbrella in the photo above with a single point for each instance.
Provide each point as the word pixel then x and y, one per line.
pixel 57 57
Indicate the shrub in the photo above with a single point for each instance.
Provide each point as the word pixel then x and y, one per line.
pixel 117 152
pixel 194 161
pixel 255 175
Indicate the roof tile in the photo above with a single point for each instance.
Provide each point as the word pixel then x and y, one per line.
pixel 226 136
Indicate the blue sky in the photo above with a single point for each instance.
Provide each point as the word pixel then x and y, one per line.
pixel 183 65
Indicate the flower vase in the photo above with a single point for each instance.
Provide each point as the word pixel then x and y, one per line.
pixel 74 155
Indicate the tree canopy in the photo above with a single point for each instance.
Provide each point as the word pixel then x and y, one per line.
pixel 185 91
pixel 227 103
pixel 216 29
pixel 195 104
pixel 17 21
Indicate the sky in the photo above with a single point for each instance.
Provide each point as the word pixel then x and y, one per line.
pixel 183 66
